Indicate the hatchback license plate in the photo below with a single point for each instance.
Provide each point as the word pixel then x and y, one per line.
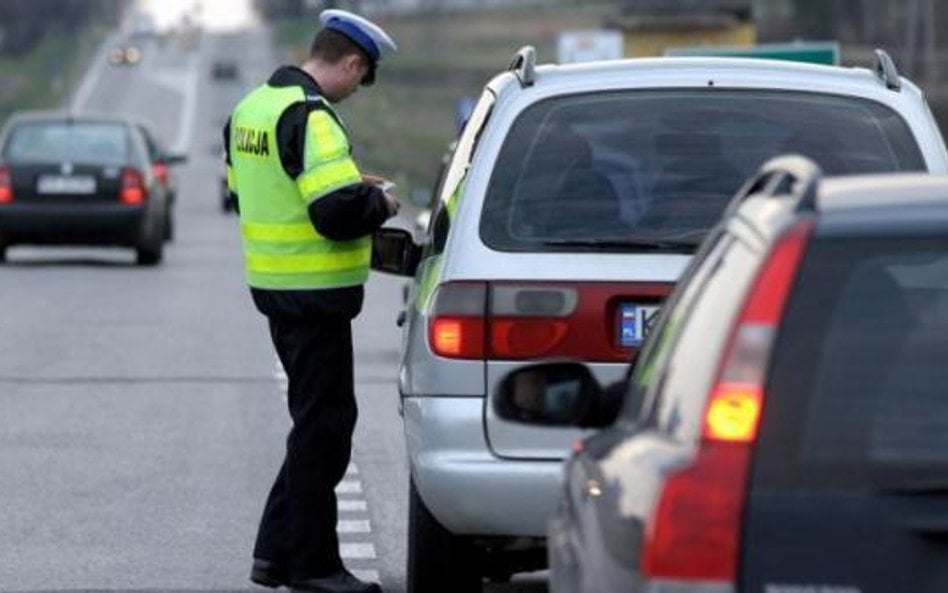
pixel 64 184
pixel 635 322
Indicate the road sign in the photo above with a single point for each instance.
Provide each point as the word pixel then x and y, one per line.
pixel 821 52
pixel 588 46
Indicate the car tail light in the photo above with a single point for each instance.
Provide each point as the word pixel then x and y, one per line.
pixel 160 171
pixel 694 533
pixel 133 187
pixel 457 323
pixel 528 320
pixel 6 186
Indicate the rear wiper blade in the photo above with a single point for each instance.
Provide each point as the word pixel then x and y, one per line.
pixel 631 244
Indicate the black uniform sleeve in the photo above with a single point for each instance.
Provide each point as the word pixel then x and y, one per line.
pixel 349 213
pixel 232 191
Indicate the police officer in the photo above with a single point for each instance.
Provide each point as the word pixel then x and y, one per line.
pixel 306 217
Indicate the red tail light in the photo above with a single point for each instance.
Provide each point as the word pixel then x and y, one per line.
pixel 457 326
pixel 133 188
pixel 160 171
pixel 6 186
pixel 521 321
pixel 694 533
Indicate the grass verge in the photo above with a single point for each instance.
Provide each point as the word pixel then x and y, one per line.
pixel 45 77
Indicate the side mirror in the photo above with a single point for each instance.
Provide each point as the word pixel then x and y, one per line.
pixel 175 159
pixel 395 252
pixel 550 394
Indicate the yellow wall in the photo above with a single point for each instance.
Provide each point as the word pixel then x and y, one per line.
pixel 655 42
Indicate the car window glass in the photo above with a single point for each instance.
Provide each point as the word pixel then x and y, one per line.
pixel 871 409
pixel 452 182
pixel 662 164
pixel 650 365
pixel 78 142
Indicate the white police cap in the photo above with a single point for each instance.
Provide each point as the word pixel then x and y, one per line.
pixel 371 38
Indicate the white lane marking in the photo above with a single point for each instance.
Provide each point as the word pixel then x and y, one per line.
pixel 186 129
pixel 349 487
pixel 352 506
pixel 357 551
pixel 371 576
pixel 92 75
pixel 352 470
pixel 353 526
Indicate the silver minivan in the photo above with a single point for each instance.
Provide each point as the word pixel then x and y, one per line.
pixel 575 199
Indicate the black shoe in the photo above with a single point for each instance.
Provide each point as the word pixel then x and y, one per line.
pixel 268 573
pixel 340 582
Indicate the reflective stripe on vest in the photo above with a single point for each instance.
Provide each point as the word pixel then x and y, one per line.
pixel 282 249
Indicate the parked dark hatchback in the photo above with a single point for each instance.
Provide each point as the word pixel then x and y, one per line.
pixel 785 428
pixel 79 180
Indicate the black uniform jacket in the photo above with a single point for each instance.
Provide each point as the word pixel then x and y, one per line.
pixel 348 213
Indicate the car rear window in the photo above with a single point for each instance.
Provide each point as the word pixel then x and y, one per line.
pixel 662 164
pixel 77 142
pixel 857 397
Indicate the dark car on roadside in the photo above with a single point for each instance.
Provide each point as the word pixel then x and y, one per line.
pixel 223 69
pixel 162 167
pixel 785 428
pixel 79 179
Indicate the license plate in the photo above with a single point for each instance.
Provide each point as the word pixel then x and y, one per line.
pixel 65 184
pixel 635 322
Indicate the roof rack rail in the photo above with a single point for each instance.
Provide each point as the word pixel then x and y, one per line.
pixel 887 72
pixel 786 175
pixel 524 65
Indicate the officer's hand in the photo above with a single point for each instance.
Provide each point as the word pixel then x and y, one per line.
pixel 391 203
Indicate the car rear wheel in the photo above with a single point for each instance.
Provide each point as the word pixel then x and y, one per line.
pixel 438 560
pixel 169 228
pixel 150 248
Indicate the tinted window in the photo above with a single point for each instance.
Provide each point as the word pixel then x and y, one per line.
pixel 663 164
pixel 55 142
pixel 858 391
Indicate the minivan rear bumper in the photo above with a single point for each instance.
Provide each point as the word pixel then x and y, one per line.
pixel 467 488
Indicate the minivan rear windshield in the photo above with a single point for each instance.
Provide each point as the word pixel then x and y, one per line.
pixel 77 142
pixel 589 171
pixel 858 396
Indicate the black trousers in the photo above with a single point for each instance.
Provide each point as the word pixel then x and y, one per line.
pixel 298 527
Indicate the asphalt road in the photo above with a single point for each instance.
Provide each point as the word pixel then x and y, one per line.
pixel 141 409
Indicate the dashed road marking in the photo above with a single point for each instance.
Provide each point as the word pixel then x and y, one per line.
pixel 366 575
pixel 357 551
pixel 353 526
pixel 349 487
pixel 352 506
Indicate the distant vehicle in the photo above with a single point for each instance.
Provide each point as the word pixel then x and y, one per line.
pixel 143 27
pixel 565 219
pixel 162 164
pixel 225 70
pixel 70 179
pixel 125 55
pixel 786 421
